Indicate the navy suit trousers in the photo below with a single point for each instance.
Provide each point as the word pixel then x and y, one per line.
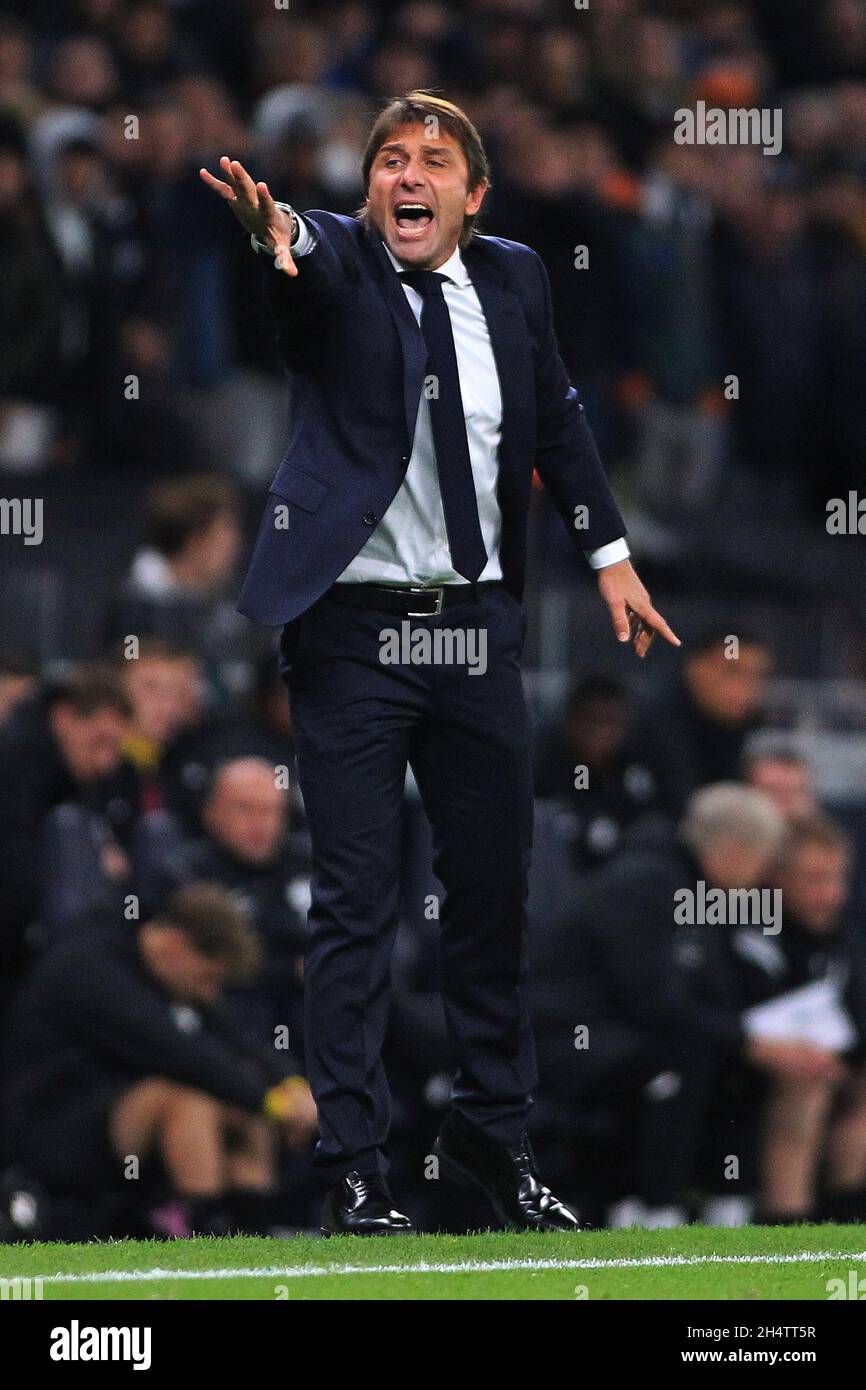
pixel 359 720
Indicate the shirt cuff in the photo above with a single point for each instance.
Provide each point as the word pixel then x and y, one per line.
pixel 303 243
pixel 610 554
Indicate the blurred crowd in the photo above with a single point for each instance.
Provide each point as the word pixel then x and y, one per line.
pixel 711 307
pixel 703 262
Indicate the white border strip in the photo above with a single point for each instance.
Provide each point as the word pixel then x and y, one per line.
pixel 127 1276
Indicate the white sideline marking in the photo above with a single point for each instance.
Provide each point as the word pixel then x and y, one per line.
pixel 124 1276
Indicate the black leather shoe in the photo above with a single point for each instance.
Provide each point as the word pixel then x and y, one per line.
pixel 361 1205
pixel 507 1177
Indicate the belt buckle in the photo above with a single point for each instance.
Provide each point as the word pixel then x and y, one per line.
pixel 440 599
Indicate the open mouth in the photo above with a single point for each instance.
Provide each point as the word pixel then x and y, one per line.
pixel 412 219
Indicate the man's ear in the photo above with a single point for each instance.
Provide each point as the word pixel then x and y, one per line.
pixel 475 197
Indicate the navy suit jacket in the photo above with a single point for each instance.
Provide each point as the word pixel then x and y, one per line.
pixel 358 363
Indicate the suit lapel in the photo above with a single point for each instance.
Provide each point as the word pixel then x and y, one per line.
pixel 411 338
pixel 509 340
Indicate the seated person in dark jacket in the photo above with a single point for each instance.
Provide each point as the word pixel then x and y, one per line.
pixel 597 770
pixel 807 983
pixel 696 731
pixel 117 1051
pixel 178 587
pixel 86 875
pixel 244 846
pixel 63 746
pixel 165 687
pixel 636 1007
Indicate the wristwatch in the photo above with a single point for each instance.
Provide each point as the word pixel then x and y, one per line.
pixel 258 245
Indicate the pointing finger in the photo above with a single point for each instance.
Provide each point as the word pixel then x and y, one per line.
pixel 654 619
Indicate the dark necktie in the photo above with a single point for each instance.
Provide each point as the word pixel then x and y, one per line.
pixel 453 463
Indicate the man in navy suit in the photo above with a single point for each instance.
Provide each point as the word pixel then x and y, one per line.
pixel 427 386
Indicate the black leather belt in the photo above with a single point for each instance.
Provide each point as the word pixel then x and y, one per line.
pixel 421 602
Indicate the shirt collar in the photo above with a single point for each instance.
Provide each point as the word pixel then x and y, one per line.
pixel 453 267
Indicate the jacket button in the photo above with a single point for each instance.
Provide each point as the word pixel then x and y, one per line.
pixel 370 518
pixel 405 461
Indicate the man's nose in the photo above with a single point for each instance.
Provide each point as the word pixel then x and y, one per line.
pixel 412 176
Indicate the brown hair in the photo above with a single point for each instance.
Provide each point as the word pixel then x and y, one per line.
pixel 87 688
pixel 215 925
pixel 415 109
pixel 185 507
pixel 818 829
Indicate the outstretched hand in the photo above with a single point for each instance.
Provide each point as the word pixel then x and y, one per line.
pixel 634 618
pixel 255 209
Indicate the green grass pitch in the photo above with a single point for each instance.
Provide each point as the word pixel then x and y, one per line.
pixel 693 1262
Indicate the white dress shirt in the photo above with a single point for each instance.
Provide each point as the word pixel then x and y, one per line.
pixel 410 543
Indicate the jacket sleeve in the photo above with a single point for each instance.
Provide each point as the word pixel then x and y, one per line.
pixel 274 1064
pixel 302 304
pixel 566 456
pixel 114 1013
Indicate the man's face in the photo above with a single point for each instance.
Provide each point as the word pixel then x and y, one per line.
pixel 418 195
pixel 732 863
pixel 246 812
pixel 814 886
pixel 728 690
pixel 787 784
pixel 91 744
pixel 212 554
pixel 164 693
pixel 186 975
pixel 598 729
